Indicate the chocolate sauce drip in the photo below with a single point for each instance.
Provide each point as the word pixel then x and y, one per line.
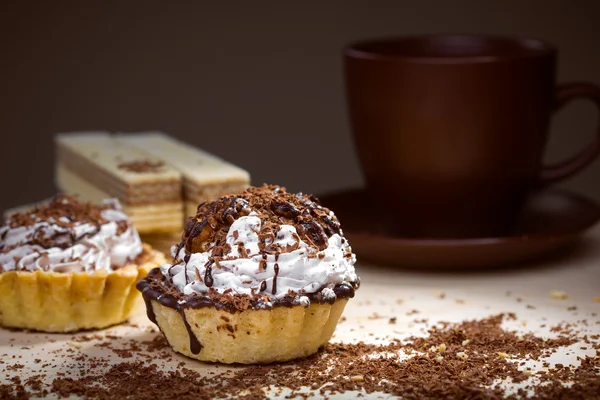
pixel 179 247
pixel 195 345
pixel 276 268
pixel 189 225
pixel 149 309
pixel 208 279
pixel 156 287
pixel 344 290
pixel 263 263
pixel 195 232
pixel 263 286
pixel 186 258
pixel 149 293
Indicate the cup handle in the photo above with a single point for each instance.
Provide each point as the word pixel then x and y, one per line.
pixel 559 171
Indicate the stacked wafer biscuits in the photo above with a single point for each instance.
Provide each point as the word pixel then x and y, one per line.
pixel 96 165
pixel 158 180
pixel 205 176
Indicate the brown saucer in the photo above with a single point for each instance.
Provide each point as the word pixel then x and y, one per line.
pixel 550 221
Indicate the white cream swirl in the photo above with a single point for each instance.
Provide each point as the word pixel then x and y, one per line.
pixel 304 270
pixel 94 247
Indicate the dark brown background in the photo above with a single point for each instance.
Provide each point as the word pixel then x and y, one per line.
pixel 259 83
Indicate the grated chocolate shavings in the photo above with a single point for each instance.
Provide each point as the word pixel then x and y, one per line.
pixel 65 212
pixel 453 360
pixel 274 206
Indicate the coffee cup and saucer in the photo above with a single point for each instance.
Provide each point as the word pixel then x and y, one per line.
pixel 450 131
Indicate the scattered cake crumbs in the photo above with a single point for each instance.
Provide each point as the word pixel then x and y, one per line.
pixel 375 316
pixel 558 295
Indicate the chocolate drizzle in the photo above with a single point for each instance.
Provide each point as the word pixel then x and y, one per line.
pixel 64 213
pixel 148 301
pixel 149 293
pixel 208 279
pixel 195 345
pixel 276 268
pixel 156 287
pixel 263 263
pixel 179 247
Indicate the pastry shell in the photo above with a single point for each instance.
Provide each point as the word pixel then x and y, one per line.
pixel 65 302
pixel 250 336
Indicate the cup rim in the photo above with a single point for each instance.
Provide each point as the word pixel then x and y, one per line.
pixel 532 48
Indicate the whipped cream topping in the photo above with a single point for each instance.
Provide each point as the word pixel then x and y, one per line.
pixel 299 269
pixel 61 243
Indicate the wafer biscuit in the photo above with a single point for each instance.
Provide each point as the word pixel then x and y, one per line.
pixel 157 217
pixel 96 165
pixel 159 180
pixel 205 176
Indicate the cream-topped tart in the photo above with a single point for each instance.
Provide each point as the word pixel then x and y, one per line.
pixel 258 277
pixel 67 265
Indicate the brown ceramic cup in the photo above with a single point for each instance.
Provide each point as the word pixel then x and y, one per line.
pixel 450 130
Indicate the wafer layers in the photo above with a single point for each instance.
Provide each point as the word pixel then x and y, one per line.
pixel 159 180
pixel 205 176
pixel 96 165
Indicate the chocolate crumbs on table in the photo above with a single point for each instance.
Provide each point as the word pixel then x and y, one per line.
pixel 453 360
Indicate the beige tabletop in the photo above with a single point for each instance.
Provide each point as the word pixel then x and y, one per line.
pixel 541 295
